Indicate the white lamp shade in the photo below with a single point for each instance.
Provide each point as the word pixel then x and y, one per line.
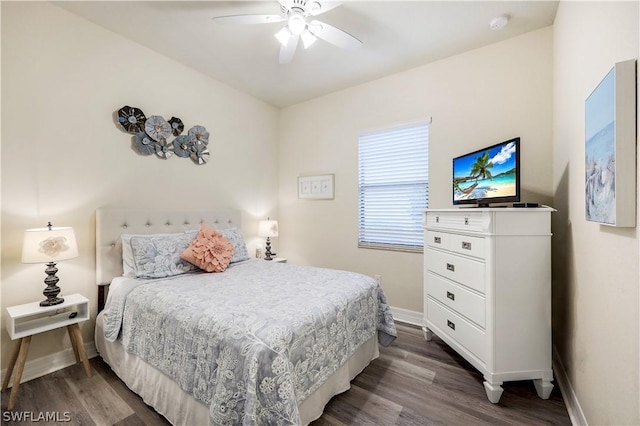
pixel 268 228
pixel 42 245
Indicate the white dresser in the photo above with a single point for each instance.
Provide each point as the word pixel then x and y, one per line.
pixel 487 291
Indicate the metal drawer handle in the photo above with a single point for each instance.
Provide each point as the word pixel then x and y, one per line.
pixel 466 245
pixel 451 296
pixel 437 219
pixel 451 267
pixel 466 220
pixel 451 325
pixel 437 240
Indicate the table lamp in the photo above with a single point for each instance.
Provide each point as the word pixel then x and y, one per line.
pixel 49 245
pixel 268 228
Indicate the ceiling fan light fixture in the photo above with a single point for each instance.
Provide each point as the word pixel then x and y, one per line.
pixel 297 24
pixel 283 36
pixel 307 39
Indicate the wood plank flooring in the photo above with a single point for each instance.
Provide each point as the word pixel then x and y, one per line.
pixel 413 382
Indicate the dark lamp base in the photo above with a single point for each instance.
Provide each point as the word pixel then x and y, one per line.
pixel 52 302
pixel 52 290
pixel 267 254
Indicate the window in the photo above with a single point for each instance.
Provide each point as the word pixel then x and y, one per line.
pixel 393 187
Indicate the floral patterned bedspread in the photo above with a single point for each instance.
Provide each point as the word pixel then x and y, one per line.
pixel 254 341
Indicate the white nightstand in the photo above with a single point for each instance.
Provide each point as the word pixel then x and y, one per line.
pixel 23 321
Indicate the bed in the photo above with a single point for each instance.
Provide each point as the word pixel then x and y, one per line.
pixel 260 343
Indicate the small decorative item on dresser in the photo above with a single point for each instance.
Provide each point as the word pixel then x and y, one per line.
pixel 49 245
pixel 268 228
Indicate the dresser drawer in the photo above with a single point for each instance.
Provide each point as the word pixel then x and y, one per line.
pixel 437 239
pixel 467 244
pixel 464 244
pixel 464 302
pixel 462 220
pixel 462 270
pixel 463 332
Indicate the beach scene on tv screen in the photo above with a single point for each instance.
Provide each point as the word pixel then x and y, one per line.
pixel 486 174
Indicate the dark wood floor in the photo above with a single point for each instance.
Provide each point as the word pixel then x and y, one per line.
pixel 414 382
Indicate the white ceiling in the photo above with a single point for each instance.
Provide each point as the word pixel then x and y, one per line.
pixel 396 35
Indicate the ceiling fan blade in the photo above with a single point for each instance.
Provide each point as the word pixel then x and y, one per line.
pixel 334 35
pixel 248 19
pixel 286 52
pixel 324 7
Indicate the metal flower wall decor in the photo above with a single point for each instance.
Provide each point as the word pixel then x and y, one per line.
pixel 152 134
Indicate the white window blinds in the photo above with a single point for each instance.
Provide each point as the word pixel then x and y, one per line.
pixel 393 187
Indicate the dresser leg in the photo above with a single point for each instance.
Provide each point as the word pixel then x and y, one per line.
pixel 543 387
pixel 428 334
pixel 22 358
pixel 494 391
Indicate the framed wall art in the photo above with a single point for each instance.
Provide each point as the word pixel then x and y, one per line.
pixel 319 187
pixel 610 148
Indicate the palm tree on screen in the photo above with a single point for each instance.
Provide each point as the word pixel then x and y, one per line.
pixel 480 169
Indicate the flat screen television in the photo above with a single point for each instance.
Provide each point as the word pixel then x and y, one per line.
pixel 488 175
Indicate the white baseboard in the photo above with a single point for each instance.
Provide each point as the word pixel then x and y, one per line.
pixel 576 415
pixel 48 364
pixel 405 315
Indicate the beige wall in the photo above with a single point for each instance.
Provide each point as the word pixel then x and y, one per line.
pixel 476 99
pixel 595 267
pixel 63 157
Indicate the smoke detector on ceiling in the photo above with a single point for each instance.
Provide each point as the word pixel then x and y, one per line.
pixel 499 22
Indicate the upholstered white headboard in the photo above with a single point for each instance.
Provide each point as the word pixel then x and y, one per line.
pixel 111 223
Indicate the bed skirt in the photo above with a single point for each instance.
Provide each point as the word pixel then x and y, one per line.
pixel 180 408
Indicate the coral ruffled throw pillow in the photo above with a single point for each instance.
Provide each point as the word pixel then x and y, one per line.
pixel 209 250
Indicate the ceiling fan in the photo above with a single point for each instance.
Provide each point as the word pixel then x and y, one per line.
pixel 300 26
